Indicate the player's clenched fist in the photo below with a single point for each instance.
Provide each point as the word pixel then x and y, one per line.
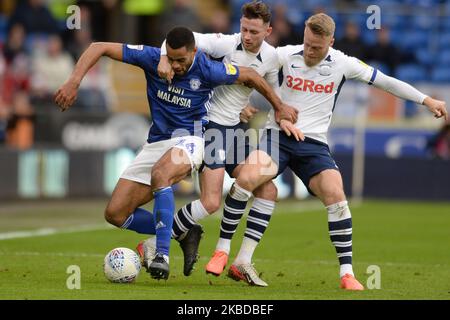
pixel 66 94
pixel 437 107
pixel 287 113
pixel 248 113
pixel 165 70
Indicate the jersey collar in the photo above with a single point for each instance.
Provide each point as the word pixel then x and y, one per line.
pixel 240 47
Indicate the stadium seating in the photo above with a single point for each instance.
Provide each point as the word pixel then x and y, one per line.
pixel 441 75
pixel 420 27
pixel 425 56
pixel 411 73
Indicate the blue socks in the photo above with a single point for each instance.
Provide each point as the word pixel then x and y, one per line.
pixel 159 223
pixel 140 221
pixel 163 209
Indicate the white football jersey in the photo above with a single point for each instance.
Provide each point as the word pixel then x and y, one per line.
pixel 228 100
pixel 314 90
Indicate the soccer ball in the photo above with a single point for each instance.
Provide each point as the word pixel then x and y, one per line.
pixel 121 265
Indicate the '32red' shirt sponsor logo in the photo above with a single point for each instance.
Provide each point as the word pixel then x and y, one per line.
pixel 308 85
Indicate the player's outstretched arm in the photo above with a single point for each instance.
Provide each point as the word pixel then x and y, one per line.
pixel 407 92
pixel 251 79
pixel 66 95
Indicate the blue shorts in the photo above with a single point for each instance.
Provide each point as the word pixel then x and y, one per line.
pixel 225 146
pixel 305 158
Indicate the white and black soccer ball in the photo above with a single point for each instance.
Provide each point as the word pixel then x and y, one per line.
pixel 121 265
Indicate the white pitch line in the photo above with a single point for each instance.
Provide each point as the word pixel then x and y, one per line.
pixel 52 231
pixel 53 254
pixel 309 206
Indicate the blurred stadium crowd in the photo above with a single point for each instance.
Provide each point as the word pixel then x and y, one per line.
pixel 38 51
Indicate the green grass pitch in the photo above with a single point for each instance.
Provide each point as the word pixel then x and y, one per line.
pixel 408 241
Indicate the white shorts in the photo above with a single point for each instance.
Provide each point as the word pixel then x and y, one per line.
pixel 140 170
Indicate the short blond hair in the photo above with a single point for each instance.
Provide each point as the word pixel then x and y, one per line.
pixel 321 24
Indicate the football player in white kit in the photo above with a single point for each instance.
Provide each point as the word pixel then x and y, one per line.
pixel 313 74
pixel 225 139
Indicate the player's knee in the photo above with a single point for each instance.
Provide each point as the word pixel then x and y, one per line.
pixel 247 180
pixel 211 204
pixel 334 195
pixel 267 191
pixel 113 217
pixel 159 178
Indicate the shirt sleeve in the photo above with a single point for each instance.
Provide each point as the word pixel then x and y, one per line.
pixel 272 75
pixel 281 56
pixel 398 88
pixel 141 56
pixel 216 45
pixel 358 70
pixel 218 73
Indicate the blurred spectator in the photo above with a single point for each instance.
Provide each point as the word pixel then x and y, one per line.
pixel 20 127
pixel 384 51
pixel 283 32
pixel 15 43
pixel 97 15
pixel 7 7
pixel 50 69
pixel 351 43
pixel 4 115
pixel 95 91
pixel 15 64
pixel 35 17
pixel 439 145
pixel 180 12
pixel 143 21
pixel 219 22
pixel 80 40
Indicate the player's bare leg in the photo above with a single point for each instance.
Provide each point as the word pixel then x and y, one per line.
pixel 211 187
pixel 258 169
pixel 171 168
pixel 126 198
pixel 123 211
pixel 328 187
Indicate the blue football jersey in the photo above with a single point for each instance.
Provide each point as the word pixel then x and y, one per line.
pixel 179 108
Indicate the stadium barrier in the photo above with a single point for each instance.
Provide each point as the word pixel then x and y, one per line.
pixel 59 173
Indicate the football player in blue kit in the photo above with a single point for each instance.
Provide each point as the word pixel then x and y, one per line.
pixel 175 143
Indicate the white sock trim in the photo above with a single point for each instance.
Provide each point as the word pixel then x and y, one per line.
pixel 336 206
pixel 263 206
pixel 198 211
pixel 245 254
pixel 224 245
pixel 346 268
pixel 239 193
pixel 338 211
